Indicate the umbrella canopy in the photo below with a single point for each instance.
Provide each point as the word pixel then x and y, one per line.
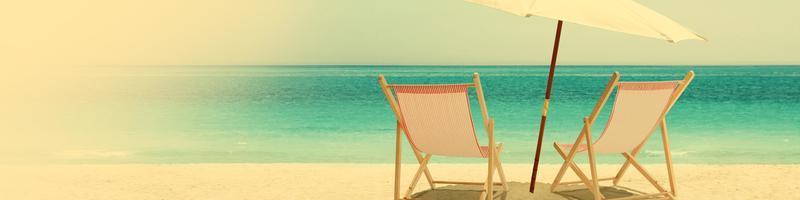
pixel 625 16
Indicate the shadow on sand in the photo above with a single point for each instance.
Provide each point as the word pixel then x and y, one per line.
pixel 519 190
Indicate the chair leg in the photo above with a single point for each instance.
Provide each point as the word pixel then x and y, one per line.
pixel 422 167
pixel 567 159
pixel 647 175
pixel 627 164
pixel 488 190
pixel 426 170
pixel 499 167
pixel 592 165
pixel 561 171
pixel 490 176
pixel 668 156
pixel 592 162
pixel 574 168
pixel 398 153
pixel 485 192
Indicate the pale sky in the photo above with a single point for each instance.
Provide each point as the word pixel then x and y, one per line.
pixel 279 32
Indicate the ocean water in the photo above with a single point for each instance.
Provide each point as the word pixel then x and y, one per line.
pixel 337 114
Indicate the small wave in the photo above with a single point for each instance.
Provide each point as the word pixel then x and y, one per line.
pixel 650 153
pixel 91 154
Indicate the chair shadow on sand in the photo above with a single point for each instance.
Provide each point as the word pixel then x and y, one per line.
pixel 517 190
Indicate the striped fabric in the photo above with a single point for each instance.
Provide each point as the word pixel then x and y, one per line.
pixel 438 120
pixel 637 108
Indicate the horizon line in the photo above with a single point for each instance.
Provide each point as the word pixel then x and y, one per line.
pixel 454 65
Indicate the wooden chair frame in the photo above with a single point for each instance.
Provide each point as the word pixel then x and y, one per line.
pixel 586 136
pixel 493 159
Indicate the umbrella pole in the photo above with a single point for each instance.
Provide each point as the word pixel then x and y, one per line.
pixel 546 105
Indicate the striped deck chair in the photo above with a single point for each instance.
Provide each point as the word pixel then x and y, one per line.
pixel 437 120
pixel 638 108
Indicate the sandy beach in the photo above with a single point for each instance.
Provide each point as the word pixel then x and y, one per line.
pixel 317 99
pixel 364 181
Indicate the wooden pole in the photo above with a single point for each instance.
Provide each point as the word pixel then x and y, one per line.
pixel 546 105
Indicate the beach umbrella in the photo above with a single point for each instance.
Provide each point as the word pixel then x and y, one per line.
pixel 624 16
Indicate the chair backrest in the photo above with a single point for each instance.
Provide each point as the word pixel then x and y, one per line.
pixel 638 108
pixel 437 118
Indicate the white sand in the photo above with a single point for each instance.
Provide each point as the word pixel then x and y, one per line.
pixel 362 181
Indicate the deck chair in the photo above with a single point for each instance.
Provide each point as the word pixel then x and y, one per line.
pixel 638 108
pixel 437 120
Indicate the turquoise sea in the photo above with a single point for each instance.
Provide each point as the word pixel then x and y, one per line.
pixel 337 114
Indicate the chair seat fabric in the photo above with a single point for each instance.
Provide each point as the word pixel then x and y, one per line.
pixel 438 119
pixel 637 109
